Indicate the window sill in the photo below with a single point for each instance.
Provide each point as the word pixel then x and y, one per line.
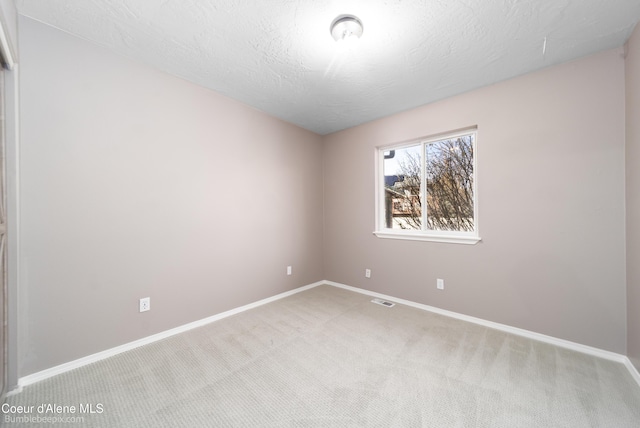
pixel 413 236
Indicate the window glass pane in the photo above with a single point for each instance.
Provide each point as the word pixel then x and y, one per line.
pixel 403 200
pixel 449 175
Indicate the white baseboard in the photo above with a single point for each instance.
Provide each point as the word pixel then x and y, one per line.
pixel 71 365
pixel 62 368
pixel 596 352
pixel 632 369
pixel 16 390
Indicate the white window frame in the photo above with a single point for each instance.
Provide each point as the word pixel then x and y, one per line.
pixel 381 231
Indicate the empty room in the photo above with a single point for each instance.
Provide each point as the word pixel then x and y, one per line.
pixel 405 213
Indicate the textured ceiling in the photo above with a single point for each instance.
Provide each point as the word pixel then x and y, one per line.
pixel 278 55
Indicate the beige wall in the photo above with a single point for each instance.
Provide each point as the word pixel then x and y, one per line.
pixel 633 195
pixel 551 206
pixel 135 183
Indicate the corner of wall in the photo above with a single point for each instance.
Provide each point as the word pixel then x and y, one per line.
pixel 632 189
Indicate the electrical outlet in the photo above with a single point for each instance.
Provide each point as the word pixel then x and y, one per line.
pixel 145 304
pixel 289 270
pixel 440 284
pixel 367 273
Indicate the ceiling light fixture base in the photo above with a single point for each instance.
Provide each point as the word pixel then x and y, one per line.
pixel 345 27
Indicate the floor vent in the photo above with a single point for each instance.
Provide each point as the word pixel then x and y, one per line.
pixel 383 303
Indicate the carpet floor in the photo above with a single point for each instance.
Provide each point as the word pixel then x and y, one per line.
pixel 328 357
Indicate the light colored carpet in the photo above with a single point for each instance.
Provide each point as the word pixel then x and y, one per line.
pixel 328 357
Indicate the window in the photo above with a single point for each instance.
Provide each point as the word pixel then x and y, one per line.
pixel 426 190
